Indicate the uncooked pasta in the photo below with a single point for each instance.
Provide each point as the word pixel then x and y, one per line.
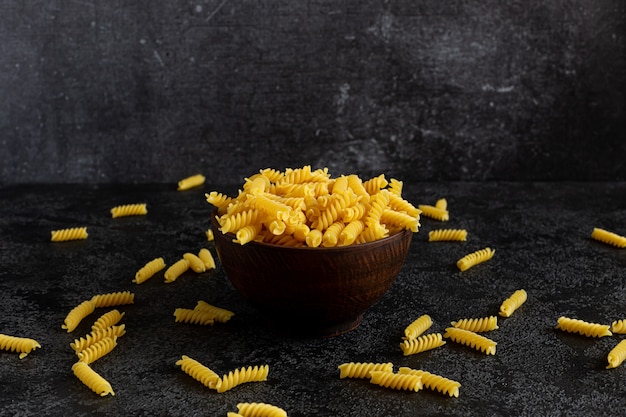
pixel 471 339
pixel 362 369
pixel 475 258
pixel 92 379
pixel 113 299
pixel 478 325
pixel 434 382
pixel 405 382
pixel 129 210
pixel 447 235
pixel 22 345
pixel 241 376
pixel 148 270
pixel 582 327
pixel 64 235
pixel 260 410
pixel 609 238
pixel 418 326
pixel 508 306
pixel 617 355
pixel 198 371
pixel 422 344
pixel 191 182
pixel 77 314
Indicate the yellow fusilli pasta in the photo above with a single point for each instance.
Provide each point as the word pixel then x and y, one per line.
pixel 306 207
pixel 195 263
pixel 405 382
pixel 95 336
pixel 471 339
pixel 241 376
pixel 475 258
pixel 186 315
pixel 176 270
pixel 260 410
pixel 190 182
pixel 508 306
pixel 129 210
pixel 609 238
pixel 97 350
pixel 434 212
pixel 583 327
pixel 77 314
pixel 219 314
pixel 441 204
pixel 198 371
pixel 207 258
pixel 619 327
pixel 434 382
pixel 362 369
pixel 417 327
pixel 107 320
pixel 484 324
pixel 617 355
pixel 92 379
pixel 113 299
pixel 422 344
pixel 64 235
pixel 447 235
pixel 22 345
pixel 148 270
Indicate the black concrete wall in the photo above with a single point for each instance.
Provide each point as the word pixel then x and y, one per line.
pixel 153 91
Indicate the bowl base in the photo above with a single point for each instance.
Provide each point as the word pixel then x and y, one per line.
pixel 301 329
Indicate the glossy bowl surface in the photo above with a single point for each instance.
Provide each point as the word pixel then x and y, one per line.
pixel 312 291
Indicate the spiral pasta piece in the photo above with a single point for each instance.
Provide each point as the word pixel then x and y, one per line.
pixel 397 203
pixel 191 182
pixel 260 410
pixel 508 306
pixel 417 327
pixel 400 219
pixel 176 270
pixel 314 238
pixel 618 327
pixel 395 186
pixel 434 382
pixel 221 315
pixel 92 379
pixel 609 238
pixel 219 200
pixel 113 299
pixel 23 345
pixel 77 314
pixel 362 369
pixel 186 315
pixel 582 327
pixel 108 319
pixel 198 371
pixel 64 235
pixel 617 355
pixel 447 235
pixel 96 335
pixel 479 325
pixel 129 210
pixel 375 184
pixel 405 382
pixel 330 238
pixel 209 235
pixel 471 339
pixel 442 204
pixel 97 350
pixel 234 222
pixel 434 212
pixel 241 376
pixel 195 263
pixel 475 258
pixel 148 270
pixel 207 258
pixel 422 344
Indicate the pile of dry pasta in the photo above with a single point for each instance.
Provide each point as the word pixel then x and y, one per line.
pixel 305 207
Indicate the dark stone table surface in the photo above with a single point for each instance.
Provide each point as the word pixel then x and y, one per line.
pixel 541 233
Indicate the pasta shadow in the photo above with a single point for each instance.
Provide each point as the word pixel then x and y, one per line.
pixel 319 292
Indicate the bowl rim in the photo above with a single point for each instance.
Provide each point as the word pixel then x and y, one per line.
pixel 368 245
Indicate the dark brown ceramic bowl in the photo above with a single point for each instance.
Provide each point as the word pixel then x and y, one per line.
pixel 312 291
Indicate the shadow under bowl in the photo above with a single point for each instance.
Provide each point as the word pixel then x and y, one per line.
pixel 312 291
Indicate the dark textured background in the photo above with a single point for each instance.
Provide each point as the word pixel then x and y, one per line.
pixel 153 91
